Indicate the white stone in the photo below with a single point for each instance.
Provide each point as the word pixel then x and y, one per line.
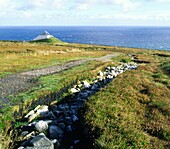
pixel 74 90
pixel 29 114
pixel 41 126
pixel 86 84
pixel 32 117
pixel 101 73
pixel 42 109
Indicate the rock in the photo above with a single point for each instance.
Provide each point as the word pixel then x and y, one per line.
pixel 41 126
pixel 24 133
pixel 76 141
pixel 29 114
pixel 62 125
pixel 84 94
pixel 68 120
pixel 21 147
pixel 58 113
pixel 56 143
pixel 74 118
pixel 69 129
pixel 47 115
pixel 29 135
pixel 40 142
pixel 101 73
pixel 75 90
pixel 85 84
pixel 42 109
pixel 35 110
pixel 32 117
pixel 95 87
pixel 56 132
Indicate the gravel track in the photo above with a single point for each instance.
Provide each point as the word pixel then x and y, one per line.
pixel 16 83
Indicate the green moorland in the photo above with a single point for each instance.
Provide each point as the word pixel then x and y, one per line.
pixel 133 111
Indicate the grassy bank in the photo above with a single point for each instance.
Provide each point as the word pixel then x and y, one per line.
pixel 133 110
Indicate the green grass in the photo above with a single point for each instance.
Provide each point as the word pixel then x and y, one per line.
pixel 131 112
pixel 50 90
pixel 18 57
pixel 51 40
pixel 166 67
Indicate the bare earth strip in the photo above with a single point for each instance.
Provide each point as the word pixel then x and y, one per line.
pixel 13 84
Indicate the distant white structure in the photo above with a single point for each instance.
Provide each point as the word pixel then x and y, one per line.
pixel 44 35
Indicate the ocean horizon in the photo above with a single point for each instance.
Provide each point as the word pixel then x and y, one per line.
pixel 148 37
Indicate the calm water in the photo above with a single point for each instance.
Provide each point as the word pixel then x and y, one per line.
pixel 140 37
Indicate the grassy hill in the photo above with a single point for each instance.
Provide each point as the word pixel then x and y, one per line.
pixel 51 40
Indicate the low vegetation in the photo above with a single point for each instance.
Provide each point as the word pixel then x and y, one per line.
pixel 51 40
pixel 131 112
pixel 18 56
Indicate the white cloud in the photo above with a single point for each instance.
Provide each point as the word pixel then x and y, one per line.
pixel 47 3
pixel 126 5
pixel 163 1
pixel 82 6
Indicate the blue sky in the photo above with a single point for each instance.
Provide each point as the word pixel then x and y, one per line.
pixel 85 12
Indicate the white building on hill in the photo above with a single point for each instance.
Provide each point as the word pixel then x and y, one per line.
pixel 44 35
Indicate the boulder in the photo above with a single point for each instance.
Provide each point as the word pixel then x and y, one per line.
pixel 41 126
pixel 40 142
pixel 56 132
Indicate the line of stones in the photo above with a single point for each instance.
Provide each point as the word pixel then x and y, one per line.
pixel 58 126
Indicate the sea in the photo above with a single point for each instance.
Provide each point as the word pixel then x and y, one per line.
pixel 124 36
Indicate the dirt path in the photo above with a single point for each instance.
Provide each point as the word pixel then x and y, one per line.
pixel 16 83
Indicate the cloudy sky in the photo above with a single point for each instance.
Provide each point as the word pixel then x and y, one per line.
pixel 85 12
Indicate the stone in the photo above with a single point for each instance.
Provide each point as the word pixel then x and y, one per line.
pixel 41 141
pixel 47 114
pixel 74 90
pixel 85 84
pixel 37 108
pixel 56 132
pixel 21 147
pixel 56 143
pixel 32 117
pixel 29 135
pixel 76 141
pixel 42 109
pixel 24 133
pixel 74 118
pixel 41 126
pixel 29 114
pixel 69 129
pixel 58 113
pixel 62 125
pixel 101 73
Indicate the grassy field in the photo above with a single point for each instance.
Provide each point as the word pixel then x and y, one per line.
pixel 17 56
pixel 131 112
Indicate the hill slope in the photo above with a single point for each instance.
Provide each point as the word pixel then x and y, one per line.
pixel 51 40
